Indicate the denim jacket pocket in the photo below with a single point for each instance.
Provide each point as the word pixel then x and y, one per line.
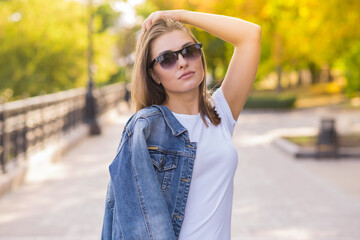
pixel 164 165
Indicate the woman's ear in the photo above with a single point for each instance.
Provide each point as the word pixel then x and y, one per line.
pixel 153 76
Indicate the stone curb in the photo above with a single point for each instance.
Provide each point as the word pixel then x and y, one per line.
pixel 300 152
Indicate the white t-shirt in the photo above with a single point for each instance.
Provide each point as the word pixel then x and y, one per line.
pixel 209 203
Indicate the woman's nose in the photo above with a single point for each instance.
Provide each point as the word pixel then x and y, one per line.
pixel 182 62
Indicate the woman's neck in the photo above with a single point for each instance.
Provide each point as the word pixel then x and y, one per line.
pixel 183 103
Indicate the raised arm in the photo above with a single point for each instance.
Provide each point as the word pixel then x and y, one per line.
pixel 246 38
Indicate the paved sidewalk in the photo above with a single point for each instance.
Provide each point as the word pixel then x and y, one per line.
pixel 280 198
pixel 276 197
pixel 67 201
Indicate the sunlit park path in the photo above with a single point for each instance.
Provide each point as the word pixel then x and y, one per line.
pixel 276 196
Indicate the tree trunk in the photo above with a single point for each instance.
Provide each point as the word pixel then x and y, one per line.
pixel 278 71
pixel 315 76
pixel 330 77
pixel 300 80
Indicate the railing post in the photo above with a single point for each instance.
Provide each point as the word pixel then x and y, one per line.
pixel 90 112
pixel 4 156
pixel 24 134
pixel 90 101
pixel 2 162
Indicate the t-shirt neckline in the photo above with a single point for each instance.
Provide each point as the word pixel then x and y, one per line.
pixel 187 116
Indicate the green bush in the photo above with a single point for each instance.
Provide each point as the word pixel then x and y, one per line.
pixel 270 101
pixel 352 71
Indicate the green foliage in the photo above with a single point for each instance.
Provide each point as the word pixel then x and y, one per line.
pixel 347 140
pixel 303 141
pixel 43 46
pixel 126 42
pixel 295 34
pixel 352 71
pixel 216 52
pixel 146 9
pixel 107 15
pixel 119 76
pixel 270 101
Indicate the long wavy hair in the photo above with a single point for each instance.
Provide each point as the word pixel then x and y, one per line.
pixel 145 91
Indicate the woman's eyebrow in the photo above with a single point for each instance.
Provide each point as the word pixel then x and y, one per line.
pixel 188 43
pixel 184 45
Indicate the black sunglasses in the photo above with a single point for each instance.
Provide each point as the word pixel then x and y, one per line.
pixel 168 60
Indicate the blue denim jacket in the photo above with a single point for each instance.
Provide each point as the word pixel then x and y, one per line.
pixel 149 178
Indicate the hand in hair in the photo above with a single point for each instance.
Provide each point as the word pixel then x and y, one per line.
pixel 244 36
pixel 155 16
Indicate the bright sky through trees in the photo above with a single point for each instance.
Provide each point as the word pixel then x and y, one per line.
pixel 128 14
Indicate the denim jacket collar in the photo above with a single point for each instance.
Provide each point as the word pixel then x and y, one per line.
pixel 172 122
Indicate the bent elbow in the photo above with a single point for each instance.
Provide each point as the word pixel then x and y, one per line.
pixel 257 32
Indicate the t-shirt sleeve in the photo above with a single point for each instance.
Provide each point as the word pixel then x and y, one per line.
pixel 223 109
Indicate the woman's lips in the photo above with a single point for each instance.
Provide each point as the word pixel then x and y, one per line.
pixel 187 75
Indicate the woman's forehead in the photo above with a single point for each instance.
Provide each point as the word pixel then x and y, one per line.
pixel 171 41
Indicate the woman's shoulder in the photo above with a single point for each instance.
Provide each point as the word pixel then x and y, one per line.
pixel 149 115
pixel 155 117
pixel 148 112
pixel 223 109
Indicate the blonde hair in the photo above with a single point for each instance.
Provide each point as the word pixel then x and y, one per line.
pixel 145 91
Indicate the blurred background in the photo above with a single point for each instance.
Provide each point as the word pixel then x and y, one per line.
pixel 65 76
pixel 310 49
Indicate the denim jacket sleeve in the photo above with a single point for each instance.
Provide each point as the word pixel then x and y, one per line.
pixel 140 210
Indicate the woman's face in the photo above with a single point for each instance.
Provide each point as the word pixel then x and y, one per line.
pixel 186 75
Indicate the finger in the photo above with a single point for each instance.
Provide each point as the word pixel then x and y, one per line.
pixel 148 24
pixel 153 17
pixel 156 18
pixel 145 25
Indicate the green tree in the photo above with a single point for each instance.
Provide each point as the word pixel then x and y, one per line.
pixel 295 34
pixel 43 46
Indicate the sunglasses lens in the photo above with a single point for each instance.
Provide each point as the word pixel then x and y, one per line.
pixel 167 60
pixel 192 52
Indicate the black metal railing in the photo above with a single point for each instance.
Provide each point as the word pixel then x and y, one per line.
pixel 27 124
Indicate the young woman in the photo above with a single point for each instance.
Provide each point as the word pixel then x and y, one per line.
pixel 172 177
